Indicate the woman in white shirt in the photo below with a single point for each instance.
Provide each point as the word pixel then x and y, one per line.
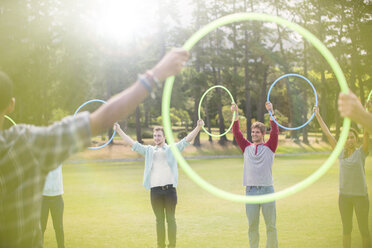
pixel 53 202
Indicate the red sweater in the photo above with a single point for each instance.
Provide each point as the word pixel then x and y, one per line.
pixel 258 159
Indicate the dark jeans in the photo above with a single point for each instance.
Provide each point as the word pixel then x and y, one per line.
pixel 361 206
pixel 164 203
pixel 55 205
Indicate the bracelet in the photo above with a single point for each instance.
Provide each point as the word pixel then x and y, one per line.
pixel 153 79
pixel 145 83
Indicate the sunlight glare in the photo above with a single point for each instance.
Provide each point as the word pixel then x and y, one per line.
pixel 118 20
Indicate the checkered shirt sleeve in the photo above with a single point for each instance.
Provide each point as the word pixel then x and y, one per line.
pixel 28 153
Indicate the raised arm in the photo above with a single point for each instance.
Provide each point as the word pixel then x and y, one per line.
pixel 350 106
pixel 242 142
pixel 195 132
pixel 272 143
pixel 123 135
pixel 121 106
pixel 234 108
pixel 324 128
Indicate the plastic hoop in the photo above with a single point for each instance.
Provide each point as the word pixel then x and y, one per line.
pixel 294 188
pixel 369 98
pixel 316 100
pixel 200 102
pixel 10 119
pixel 113 135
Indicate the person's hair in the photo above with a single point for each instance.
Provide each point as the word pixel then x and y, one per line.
pixel 6 90
pixel 355 132
pixel 260 126
pixel 159 128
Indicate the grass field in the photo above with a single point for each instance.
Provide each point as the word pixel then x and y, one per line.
pixel 107 206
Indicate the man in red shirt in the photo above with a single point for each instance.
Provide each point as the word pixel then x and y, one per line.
pixel 257 177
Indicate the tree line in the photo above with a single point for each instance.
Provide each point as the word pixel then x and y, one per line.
pixel 57 63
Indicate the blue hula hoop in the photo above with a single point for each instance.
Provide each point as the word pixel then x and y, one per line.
pixel 316 100
pixel 113 135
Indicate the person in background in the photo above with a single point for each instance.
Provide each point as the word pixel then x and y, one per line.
pixel 29 152
pixel 257 178
pixel 353 192
pixel 161 177
pixel 53 202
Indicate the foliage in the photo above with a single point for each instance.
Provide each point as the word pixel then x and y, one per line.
pixel 147 134
pixel 182 135
pixel 53 55
pixel 58 114
pixel 178 117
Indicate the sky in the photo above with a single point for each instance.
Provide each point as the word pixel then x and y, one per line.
pixel 120 20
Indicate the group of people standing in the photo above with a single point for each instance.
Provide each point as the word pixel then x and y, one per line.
pixel 31 175
pixel 161 177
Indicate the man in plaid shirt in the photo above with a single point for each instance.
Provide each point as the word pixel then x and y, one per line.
pixel 28 153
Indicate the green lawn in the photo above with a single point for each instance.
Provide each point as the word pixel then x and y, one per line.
pixel 107 206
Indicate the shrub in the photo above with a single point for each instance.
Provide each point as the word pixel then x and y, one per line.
pixel 181 135
pixel 147 134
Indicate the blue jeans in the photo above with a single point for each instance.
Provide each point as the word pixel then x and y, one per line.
pixel 253 215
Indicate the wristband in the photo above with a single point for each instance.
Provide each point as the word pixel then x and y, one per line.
pixel 150 75
pixel 145 83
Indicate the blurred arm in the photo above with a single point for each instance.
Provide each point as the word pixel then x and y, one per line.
pixel 350 106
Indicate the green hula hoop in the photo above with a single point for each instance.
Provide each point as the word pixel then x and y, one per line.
pixel 369 98
pixel 287 191
pixel 232 100
pixel 10 119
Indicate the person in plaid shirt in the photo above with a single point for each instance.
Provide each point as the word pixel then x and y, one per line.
pixel 28 152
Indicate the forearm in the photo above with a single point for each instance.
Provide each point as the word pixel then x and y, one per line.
pixel 193 134
pixel 326 131
pixel 274 129
pixel 242 142
pixel 272 143
pixel 365 119
pixel 125 137
pixel 236 116
pixel 117 108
